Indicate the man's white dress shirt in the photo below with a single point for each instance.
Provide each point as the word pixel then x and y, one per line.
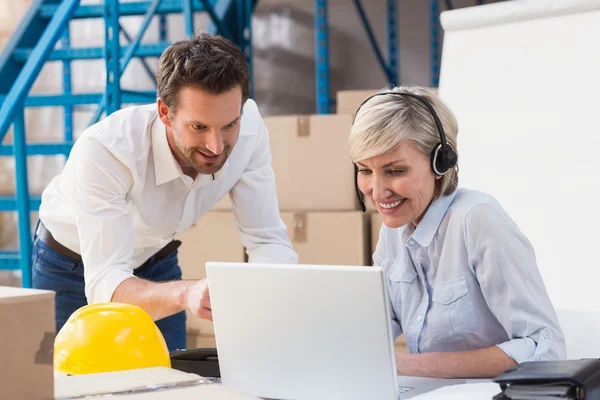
pixel 122 196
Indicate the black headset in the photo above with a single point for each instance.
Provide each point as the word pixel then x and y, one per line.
pixel 443 157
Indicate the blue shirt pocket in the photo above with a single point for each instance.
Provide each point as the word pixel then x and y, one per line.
pixel 451 317
pixel 401 278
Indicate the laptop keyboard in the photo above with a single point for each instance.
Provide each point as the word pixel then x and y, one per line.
pixel 404 389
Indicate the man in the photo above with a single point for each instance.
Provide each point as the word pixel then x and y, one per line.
pixel 147 173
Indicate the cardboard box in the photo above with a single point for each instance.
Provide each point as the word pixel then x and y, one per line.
pixel 27 340
pixel 213 238
pixel 331 238
pixel 313 170
pixel 400 344
pixel 10 278
pixel 348 101
pixel 196 341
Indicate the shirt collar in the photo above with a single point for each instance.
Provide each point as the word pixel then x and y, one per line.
pixel 165 165
pixel 203 179
pixel 426 229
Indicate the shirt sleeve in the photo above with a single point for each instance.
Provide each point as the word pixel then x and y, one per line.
pixel 378 258
pixel 255 204
pixel 100 187
pixel 505 265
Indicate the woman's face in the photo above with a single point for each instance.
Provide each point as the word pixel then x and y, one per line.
pixel 400 184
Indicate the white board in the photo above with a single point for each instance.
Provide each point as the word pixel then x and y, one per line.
pixel 523 79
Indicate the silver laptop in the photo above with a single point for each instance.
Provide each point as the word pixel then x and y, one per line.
pixel 307 332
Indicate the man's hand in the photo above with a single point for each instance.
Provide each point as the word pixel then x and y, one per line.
pixel 198 299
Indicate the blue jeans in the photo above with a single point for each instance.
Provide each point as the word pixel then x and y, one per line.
pixel 64 275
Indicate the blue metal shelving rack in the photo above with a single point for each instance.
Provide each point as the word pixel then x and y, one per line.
pixel 390 66
pixel 34 43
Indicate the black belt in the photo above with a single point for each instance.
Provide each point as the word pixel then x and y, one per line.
pixel 45 236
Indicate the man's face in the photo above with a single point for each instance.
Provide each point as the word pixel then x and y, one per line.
pixel 204 128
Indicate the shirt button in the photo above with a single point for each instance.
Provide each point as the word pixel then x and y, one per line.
pixel 546 334
pixel 420 318
pixel 411 242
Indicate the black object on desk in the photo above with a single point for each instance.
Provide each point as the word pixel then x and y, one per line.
pixel 203 362
pixel 569 379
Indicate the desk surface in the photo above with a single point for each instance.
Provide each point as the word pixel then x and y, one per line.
pixel 166 383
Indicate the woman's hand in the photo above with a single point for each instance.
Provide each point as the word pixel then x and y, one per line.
pixel 483 363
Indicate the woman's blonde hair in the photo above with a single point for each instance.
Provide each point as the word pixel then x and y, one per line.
pixel 384 122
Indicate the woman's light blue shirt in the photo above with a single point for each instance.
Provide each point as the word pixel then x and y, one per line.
pixel 466 278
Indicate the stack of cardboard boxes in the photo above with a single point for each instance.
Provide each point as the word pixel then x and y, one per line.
pixel 317 200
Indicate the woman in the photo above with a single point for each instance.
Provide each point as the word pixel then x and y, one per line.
pixel 463 281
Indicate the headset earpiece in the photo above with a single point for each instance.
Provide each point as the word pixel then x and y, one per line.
pixel 443 159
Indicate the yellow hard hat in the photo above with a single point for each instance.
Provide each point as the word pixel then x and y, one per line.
pixel 105 337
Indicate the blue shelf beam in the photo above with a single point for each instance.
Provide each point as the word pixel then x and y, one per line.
pixel 22 200
pixel 8 203
pixel 240 8
pixel 145 65
pixel 163 28
pixel 135 43
pixel 434 37
pixel 125 9
pixel 243 36
pixel 221 27
pixel 188 15
pixel 39 149
pixel 9 260
pixel 392 42
pixel 128 96
pixel 67 88
pixel 365 21
pixel 322 56
pixel 111 102
pixel 93 53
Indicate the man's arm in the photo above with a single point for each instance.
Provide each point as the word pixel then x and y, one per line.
pixel 482 363
pixel 163 299
pixel 256 207
pixel 100 188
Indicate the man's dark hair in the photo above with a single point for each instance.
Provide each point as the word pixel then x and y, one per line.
pixel 207 62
